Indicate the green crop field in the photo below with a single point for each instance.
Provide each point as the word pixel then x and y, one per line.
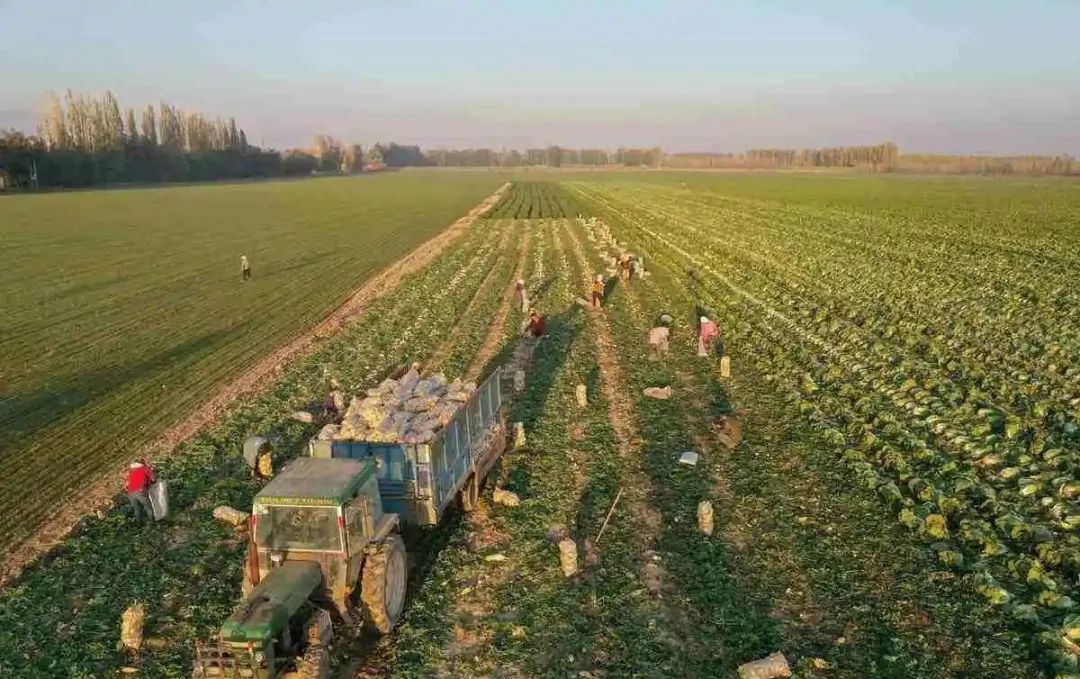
pixel 893 463
pixel 122 310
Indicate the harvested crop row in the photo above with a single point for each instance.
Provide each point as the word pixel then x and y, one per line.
pixel 468 335
pixel 523 600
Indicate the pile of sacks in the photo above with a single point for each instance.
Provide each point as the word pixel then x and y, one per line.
pixel 409 410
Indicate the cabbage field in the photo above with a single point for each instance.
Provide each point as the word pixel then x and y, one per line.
pixel 892 463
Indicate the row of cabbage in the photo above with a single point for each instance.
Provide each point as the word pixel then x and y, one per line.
pixel 971 438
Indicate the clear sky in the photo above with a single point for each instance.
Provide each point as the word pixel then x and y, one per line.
pixel 969 76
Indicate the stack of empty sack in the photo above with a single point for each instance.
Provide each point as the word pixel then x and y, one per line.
pixel 409 410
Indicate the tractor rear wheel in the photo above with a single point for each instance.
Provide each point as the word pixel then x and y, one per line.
pixel 314 664
pixel 469 495
pixel 382 587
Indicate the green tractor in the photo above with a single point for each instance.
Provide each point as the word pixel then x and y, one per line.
pixel 322 552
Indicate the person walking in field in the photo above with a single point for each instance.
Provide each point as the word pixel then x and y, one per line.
pixel 245 268
pixel 597 290
pixel 139 477
pixel 707 334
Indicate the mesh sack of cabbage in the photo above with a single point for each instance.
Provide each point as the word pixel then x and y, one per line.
pixel 408 410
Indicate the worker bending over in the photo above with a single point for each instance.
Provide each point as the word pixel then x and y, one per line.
pixel 139 477
pixel 707 334
pixel 334 403
pixel 659 336
pixel 537 324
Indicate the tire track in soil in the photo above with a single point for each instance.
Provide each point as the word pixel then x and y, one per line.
pixel 483 533
pixel 100 496
pixel 447 347
pixel 624 421
pixel 495 333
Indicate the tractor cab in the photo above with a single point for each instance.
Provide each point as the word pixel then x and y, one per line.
pixel 321 548
pixel 322 511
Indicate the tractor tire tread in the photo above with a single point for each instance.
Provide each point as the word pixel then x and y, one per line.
pixel 314 664
pixel 373 585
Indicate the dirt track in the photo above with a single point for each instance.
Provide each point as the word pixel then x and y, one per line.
pixel 495 336
pixel 100 496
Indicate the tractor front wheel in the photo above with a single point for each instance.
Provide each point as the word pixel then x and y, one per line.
pixel 382 588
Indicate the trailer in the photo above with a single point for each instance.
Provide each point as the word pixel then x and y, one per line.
pixel 419 481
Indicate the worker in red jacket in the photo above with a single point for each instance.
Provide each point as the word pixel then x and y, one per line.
pixel 139 477
pixel 537 324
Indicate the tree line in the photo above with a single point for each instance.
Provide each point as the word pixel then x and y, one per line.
pixel 550 156
pixel 879 157
pixel 996 165
pixel 86 141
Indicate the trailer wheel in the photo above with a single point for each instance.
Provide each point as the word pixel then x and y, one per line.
pixel 314 664
pixel 469 495
pixel 382 588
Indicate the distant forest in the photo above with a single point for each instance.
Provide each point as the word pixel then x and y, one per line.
pixel 85 141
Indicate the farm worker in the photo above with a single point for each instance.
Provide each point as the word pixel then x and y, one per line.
pixel 597 290
pixel 659 336
pixel 638 267
pixel 245 267
pixel 257 455
pixel 334 402
pixel 706 334
pixel 537 324
pixel 521 297
pixel 266 465
pixel 139 477
pixel 629 267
